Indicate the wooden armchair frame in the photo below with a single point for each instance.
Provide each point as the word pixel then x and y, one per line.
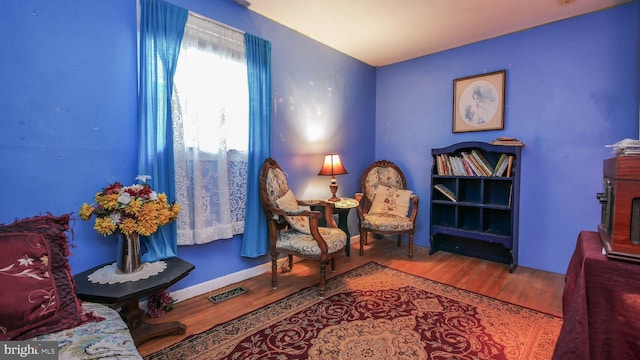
pixel 366 200
pixel 278 225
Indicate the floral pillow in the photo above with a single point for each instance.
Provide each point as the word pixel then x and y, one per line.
pixel 288 202
pixel 391 201
pixel 33 264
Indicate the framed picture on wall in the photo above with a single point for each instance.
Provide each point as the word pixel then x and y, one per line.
pixel 478 102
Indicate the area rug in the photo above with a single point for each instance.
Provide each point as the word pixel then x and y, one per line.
pixel 375 312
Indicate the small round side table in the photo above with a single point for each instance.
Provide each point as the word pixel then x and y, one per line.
pixel 342 208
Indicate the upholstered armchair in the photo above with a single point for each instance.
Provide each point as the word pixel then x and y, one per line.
pixel 294 230
pixel 386 206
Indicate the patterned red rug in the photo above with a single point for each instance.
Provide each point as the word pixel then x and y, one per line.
pixel 375 312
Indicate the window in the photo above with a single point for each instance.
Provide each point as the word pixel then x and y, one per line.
pixel 210 125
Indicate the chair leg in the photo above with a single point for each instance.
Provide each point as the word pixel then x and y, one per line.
pixel 363 240
pixel 323 277
pixel 410 245
pixel 274 271
pixel 284 267
pixel 287 264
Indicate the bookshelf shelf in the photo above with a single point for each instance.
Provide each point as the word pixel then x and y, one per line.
pixel 483 219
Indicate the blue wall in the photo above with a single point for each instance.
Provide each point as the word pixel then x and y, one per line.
pixel 68 108
pixel 571 89
pixel 68 114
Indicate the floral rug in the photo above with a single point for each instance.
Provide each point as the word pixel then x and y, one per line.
pixel 375 312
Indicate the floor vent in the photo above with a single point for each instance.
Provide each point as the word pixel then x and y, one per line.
pixel 228 294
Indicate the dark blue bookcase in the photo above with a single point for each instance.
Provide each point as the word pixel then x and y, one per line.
pixel 483 220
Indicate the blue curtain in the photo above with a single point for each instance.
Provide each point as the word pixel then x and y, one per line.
pixel 255 240
pixel 161 29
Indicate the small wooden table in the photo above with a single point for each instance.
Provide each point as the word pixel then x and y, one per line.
pixel 127 295
pixel 342 208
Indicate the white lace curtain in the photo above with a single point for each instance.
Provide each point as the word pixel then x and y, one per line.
pixel 210 113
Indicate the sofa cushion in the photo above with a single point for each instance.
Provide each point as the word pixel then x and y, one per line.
pixel 33 263
pixel 107 339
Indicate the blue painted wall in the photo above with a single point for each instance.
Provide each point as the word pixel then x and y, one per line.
pixel 68 114
pixel 571 88
pixel 68 107
pixel 67 110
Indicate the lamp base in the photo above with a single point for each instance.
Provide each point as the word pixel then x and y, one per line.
pixel 334 189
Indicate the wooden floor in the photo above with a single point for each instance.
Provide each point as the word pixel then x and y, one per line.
pixel 535 289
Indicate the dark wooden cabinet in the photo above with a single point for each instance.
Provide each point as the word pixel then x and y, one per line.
pixel 482 220
pixel 620 222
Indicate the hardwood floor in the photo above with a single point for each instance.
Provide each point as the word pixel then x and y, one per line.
pixel 535 289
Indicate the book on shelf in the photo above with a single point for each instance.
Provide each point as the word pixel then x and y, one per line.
pixel 452 165
pixel 486 167
pixel 510 166
pixel 502 167
pixel 461 170
pixel 507 141
pixel 472 165
pixel 481 169
pixel 446 192
pixel 439 168
pixel 501 160
pixel 455 166
pixel 467 167
pixel 450 170
pixel 442 166
pixel 445 164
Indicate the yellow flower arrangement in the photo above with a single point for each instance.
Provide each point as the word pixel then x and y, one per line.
pixel 130 209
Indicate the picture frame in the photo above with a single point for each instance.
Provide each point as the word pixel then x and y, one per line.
pixel 478 102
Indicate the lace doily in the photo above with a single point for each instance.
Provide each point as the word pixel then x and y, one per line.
pixel 109 275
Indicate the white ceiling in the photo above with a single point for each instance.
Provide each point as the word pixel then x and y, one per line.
pixel 383 32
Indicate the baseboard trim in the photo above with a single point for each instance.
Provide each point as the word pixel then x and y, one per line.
pixel 226 280
pixel 218 283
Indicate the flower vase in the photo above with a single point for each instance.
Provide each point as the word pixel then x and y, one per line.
pixel 129 259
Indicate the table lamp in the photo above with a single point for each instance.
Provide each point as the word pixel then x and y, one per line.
pixel 332 166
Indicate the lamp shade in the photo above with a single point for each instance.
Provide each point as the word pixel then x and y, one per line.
pixel 332 166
